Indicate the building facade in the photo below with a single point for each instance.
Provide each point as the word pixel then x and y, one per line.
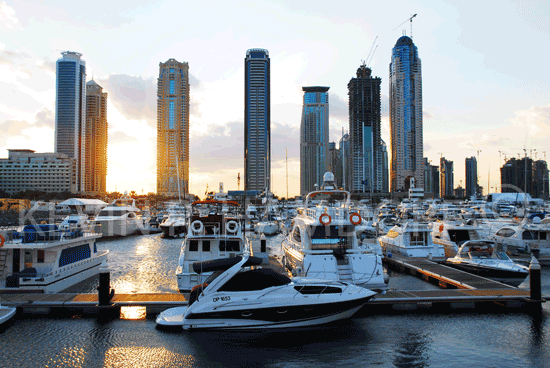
pixel 364 129
pixel 314 135
pixel 446 182
pixel 173 95
pixel 70 111
pixel 471 177
pixel 335 163
pixel 344 148
pixel 46 172
pixel 385 167
pixel 406 116
pixel 95 178
pixel 525 175
pixel 257 120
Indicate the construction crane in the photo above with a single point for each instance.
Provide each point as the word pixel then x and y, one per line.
pixel 370 51
pixel 408 20
pixel 371 57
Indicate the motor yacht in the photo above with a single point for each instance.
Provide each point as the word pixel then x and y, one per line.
pixel 410 238
pixel 120 218
pixel 452 233
pixel 525 238
pixel 46 258
pixel 213 233
pixel 322 242
pixel 488 259
pixel 239 295
pixel 176 224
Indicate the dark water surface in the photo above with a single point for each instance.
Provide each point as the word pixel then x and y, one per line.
pixel 147 264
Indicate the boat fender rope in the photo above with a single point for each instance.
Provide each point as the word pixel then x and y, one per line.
pixel 197 226
pixel 327 221
pixel 355 218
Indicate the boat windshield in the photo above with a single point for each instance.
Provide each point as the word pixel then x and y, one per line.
pixel 327 198
pixel 255 279
pixel 331 237
pixel 112 212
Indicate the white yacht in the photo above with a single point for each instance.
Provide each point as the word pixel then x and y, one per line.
pixel 525 238
pixel 120 218
pixel 268 224
pixel 452 233
pixel 488 259
pixel 239 295
pixel 213 233
pixel 48 259
pixel 176 223
pixel 410 238
pixel 322 242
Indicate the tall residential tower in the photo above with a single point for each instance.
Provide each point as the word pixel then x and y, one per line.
pixel 173 128
pixel 70 112
pixel 364 129
pixel 257 120
pixel 314 134
pixel 96 139
pixel 406 116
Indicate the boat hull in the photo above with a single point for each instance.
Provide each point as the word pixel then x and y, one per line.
pixel 509 277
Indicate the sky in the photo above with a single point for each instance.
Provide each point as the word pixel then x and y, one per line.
pixel 485 79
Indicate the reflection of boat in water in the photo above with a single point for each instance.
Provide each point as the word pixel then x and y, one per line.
pixel 322 241
pixel 213 233
pixel 120 218
pixel 238 295
pixel 46 258
pixel 488 259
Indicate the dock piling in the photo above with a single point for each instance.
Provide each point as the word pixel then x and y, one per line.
pixel 534 280
pixel 263 244
pixel 104 291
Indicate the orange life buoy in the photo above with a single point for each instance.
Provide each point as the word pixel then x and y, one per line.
pixel 1 241
pixel 355 218
pixel 328 220
pixel 441 227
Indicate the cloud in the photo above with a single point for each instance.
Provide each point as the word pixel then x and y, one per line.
pixel 43 118
pixel 14 127
pixel 426 115
pixel 534 121
pixel 8 20
pixel 121 137
pixel 338 107
pixel 136 97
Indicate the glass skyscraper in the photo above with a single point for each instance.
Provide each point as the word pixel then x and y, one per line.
pixel 447 178
pixel 173 128
pixel 70 112
pixel 96 139
pixel 471 176
pixel 257 120
pixel 365 160
pixel 406 116
pixel 314 135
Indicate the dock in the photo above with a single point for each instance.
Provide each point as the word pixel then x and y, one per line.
pixel 458 290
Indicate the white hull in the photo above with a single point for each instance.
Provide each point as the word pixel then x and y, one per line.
pixel 266 228
pixel 116 227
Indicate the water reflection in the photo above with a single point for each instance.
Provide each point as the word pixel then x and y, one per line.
pixel 412 351
pixel 133 313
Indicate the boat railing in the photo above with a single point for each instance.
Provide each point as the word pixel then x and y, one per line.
pixel 48 233
pixel 335 213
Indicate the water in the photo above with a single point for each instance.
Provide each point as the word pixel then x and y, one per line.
pixel 147 263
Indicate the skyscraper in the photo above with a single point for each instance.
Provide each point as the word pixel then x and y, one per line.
pixel 173 128
pixel 385 167
pixel 471 176
pixel 96 139
pixel 406 116
pixel 314 134
pixel 344 147
pixel 70 111
pixel 257 120
pixel 364 130
pixel 447 178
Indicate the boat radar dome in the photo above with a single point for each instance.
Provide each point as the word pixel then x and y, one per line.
pixel 328 180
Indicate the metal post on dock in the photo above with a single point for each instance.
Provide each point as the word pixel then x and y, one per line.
pixel 104 291
pixel 534 280
pixel 263 244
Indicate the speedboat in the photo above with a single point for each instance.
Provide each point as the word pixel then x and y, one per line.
pixel 175 225
pixel 6 313
pixel 488 259
pixel 120 218
pixel 452 233
pixel 213 233
pixel 48 259
pixel 323 243
pixel 239 295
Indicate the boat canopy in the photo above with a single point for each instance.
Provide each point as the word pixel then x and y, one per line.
pixel 224 264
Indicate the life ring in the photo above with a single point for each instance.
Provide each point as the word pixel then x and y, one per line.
pixel 441 227
pixel 355 218
pixel 2 241
pixel 327 221
pixel 197 226
pixel 231 226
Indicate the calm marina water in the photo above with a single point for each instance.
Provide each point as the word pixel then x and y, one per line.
pixel 144 264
